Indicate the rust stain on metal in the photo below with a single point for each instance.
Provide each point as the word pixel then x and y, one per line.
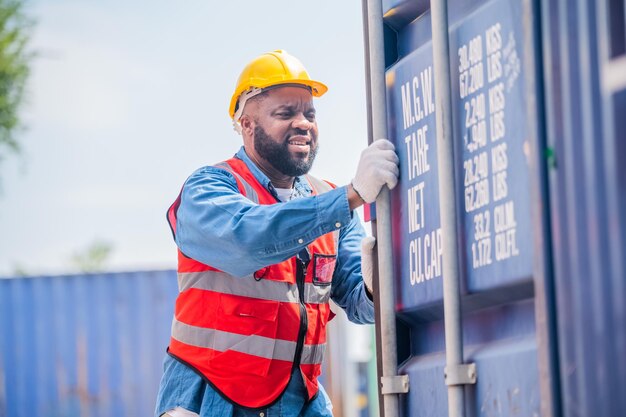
pixel 82 369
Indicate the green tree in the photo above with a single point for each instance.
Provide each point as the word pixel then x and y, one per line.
pixel 93 258
pixel 15 29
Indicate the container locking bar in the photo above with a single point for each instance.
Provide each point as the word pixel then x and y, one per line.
pixel 448 204
pixel 398 384
pixel 373 27
pixel 464 374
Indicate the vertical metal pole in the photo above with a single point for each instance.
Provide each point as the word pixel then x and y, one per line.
pixel 378 366
pixel 451 294
pixel 375 51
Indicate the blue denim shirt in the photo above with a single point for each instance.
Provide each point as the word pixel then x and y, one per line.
pixel 218 226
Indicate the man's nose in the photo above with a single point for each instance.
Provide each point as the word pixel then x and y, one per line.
pixel 301 122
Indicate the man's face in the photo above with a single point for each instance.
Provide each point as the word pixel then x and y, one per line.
pixel 285 131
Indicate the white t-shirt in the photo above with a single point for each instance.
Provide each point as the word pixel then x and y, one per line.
pixel 284 194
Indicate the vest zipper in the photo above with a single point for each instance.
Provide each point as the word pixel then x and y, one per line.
pixel 302 260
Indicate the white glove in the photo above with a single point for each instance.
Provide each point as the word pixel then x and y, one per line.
pixel 378 166
pixel 367 261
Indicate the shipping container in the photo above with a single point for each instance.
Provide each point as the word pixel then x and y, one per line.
pixel 528 222
pixel 84 345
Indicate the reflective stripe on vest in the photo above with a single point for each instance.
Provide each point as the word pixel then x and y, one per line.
pixel 249 191
pixel 260 346
pixel 250 287
pixel 321 186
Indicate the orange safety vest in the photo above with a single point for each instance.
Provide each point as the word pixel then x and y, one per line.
pixel 246 335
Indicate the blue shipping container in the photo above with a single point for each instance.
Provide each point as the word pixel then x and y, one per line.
pixel 539 128
pixel 84 345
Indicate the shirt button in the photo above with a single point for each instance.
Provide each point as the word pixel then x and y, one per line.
pixel 261 414
pixel 300 241
pixel 337 225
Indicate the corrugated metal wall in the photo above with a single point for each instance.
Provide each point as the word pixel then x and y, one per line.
pixel 84 345
pixel 581 39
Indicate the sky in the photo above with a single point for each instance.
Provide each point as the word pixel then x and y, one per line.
pixel 127 99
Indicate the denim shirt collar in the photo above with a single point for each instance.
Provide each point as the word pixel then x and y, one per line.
pixel 301 185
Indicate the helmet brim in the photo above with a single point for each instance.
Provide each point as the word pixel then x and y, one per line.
pixel 318 89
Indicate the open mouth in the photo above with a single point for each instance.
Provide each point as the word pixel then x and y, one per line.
pixel 300 143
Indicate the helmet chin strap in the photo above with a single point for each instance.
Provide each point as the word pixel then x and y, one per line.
pixel 243 98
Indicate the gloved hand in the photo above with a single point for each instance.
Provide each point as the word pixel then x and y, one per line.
pixel 367 261
pixel 378 166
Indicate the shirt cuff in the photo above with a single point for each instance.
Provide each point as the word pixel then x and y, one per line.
pixel 333 209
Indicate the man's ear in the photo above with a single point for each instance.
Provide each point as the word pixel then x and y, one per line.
pixel 247 124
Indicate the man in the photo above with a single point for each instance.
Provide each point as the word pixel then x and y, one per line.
pixel 262 248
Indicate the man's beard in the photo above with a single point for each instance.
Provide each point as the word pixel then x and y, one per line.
pixel 279 156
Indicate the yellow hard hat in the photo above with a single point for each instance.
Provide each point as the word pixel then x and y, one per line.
pixel 270 69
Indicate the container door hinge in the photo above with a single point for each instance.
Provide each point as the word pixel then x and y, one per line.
pixel 464 374
pixel 398 384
